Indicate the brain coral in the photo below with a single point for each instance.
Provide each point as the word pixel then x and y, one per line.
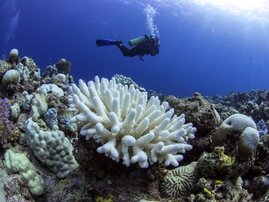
pixel 128 125
pixel 179 182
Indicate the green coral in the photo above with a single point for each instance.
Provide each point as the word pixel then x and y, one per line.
pixel 19 163
pixel 52 148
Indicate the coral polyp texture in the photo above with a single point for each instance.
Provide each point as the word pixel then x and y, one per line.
pixel 18 162
pixel 51 148
pixel 130 127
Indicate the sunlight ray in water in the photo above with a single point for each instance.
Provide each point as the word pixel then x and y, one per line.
pixel 247 5
pixel 256 9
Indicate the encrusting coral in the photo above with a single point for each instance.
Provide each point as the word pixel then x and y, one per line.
pixel 128 126
pixel 6 125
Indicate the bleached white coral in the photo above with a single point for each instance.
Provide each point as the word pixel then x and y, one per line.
pixel 128 125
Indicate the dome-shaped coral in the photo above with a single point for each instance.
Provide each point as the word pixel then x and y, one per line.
pixel 238 122
pixel 248 142
pixel 234 123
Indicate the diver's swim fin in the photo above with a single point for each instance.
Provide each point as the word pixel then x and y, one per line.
pixel 107 42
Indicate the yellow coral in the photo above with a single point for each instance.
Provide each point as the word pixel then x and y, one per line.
pixel 102 199
pixel 208 193
pixel 226 161
pixel 217 182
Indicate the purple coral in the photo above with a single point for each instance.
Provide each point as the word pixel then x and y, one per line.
pixel 6 125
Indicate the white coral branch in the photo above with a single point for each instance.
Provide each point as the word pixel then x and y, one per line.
pixel 130 127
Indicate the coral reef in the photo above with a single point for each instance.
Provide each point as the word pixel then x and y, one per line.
pixel 218 164
pixel 208 190
pixel 128 126
pixel 204 117
pixel 236 123
pixel 262 127
pixel 127 81
pixel 7 126
pixel 261 163
pixel 63 66
pixel 15 190
pixel 254 104
pixel 238 135
pixel 43 115
pixel 198 111
pixel 239 138
pixel 259 186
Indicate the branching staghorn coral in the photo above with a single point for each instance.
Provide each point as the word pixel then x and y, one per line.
pixel 129 126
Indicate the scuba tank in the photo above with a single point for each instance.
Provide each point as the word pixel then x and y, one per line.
pixel 138 40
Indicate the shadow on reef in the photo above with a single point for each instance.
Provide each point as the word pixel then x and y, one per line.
pixel 113 140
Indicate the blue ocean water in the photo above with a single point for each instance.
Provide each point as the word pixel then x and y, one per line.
pixel 204 47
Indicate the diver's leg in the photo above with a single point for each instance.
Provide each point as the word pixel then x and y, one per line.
pixel 125 51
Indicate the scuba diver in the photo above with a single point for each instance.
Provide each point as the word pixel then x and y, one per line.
pixel 144 45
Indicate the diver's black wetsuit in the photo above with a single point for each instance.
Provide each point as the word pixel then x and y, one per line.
pixel 147 47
